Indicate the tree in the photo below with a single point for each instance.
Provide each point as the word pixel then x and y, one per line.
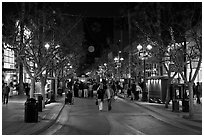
pixel 193 59
pixel 8 27
pixel 44 27
pixel 185 30
pixel 170 27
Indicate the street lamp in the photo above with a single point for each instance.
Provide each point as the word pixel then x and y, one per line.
pixel 47 46
pixel 118 61
pixel 144 54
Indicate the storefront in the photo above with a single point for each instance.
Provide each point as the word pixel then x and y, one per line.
pixel 8 67
pixel 157 87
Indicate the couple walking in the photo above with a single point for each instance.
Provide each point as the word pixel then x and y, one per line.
pixel 104 89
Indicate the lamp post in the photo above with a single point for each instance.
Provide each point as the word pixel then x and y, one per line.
pixel 144 54
pixel 118 61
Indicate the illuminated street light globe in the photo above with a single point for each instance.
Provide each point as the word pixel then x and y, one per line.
pixel 121 59
pixel 47 46
pixel 149 47
pixel 139 47
pixel 115 59
pixel 91 49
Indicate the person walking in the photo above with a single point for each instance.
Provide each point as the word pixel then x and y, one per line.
pixel 133 91
pixel 100 96
pixel 138 91
pixel 80 89
pixel 27 90
pixel 6 91
pixel 125 90
pixel 198 92
pixel 90 89
pixel 113 86
pixel 109 93
pixel 85 90
pixel 76 89
pixel 11 88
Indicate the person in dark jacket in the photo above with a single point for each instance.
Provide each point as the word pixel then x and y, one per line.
pixel 6 91
pixel 113 86
pixel 69 97
pixel 27 90
pixel 198 92
pixel 133 91
pixel 129 90
pixel 76 89
pixel 81 88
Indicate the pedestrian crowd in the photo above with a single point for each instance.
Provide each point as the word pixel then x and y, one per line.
pixel 105 90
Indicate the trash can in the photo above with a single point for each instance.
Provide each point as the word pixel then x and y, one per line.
pixel 185 105
pixel 31 111
pixel 175 106
pixel 40 98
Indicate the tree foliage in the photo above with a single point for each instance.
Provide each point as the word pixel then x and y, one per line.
pixel 44 25
pixel 43 38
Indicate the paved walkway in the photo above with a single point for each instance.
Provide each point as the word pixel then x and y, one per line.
pixel 181 117
pixel 13 116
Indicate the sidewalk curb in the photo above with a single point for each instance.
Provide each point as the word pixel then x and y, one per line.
pixel 49 123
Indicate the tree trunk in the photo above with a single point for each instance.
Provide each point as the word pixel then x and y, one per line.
pixel 56 80
pixel 21 87
pixel 191 109
pixel 42 81
pixel 168 93
pixel 63 85
pixel 32 88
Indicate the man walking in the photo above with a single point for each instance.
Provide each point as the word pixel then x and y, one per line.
pixel 133 91
pixel 6 91
pixel 109 93
pixel 85 90
pixel 100 96
pixel 198 92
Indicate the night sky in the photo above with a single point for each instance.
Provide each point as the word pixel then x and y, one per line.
pixel 94 9
pixel 98 24
pixel 97 21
